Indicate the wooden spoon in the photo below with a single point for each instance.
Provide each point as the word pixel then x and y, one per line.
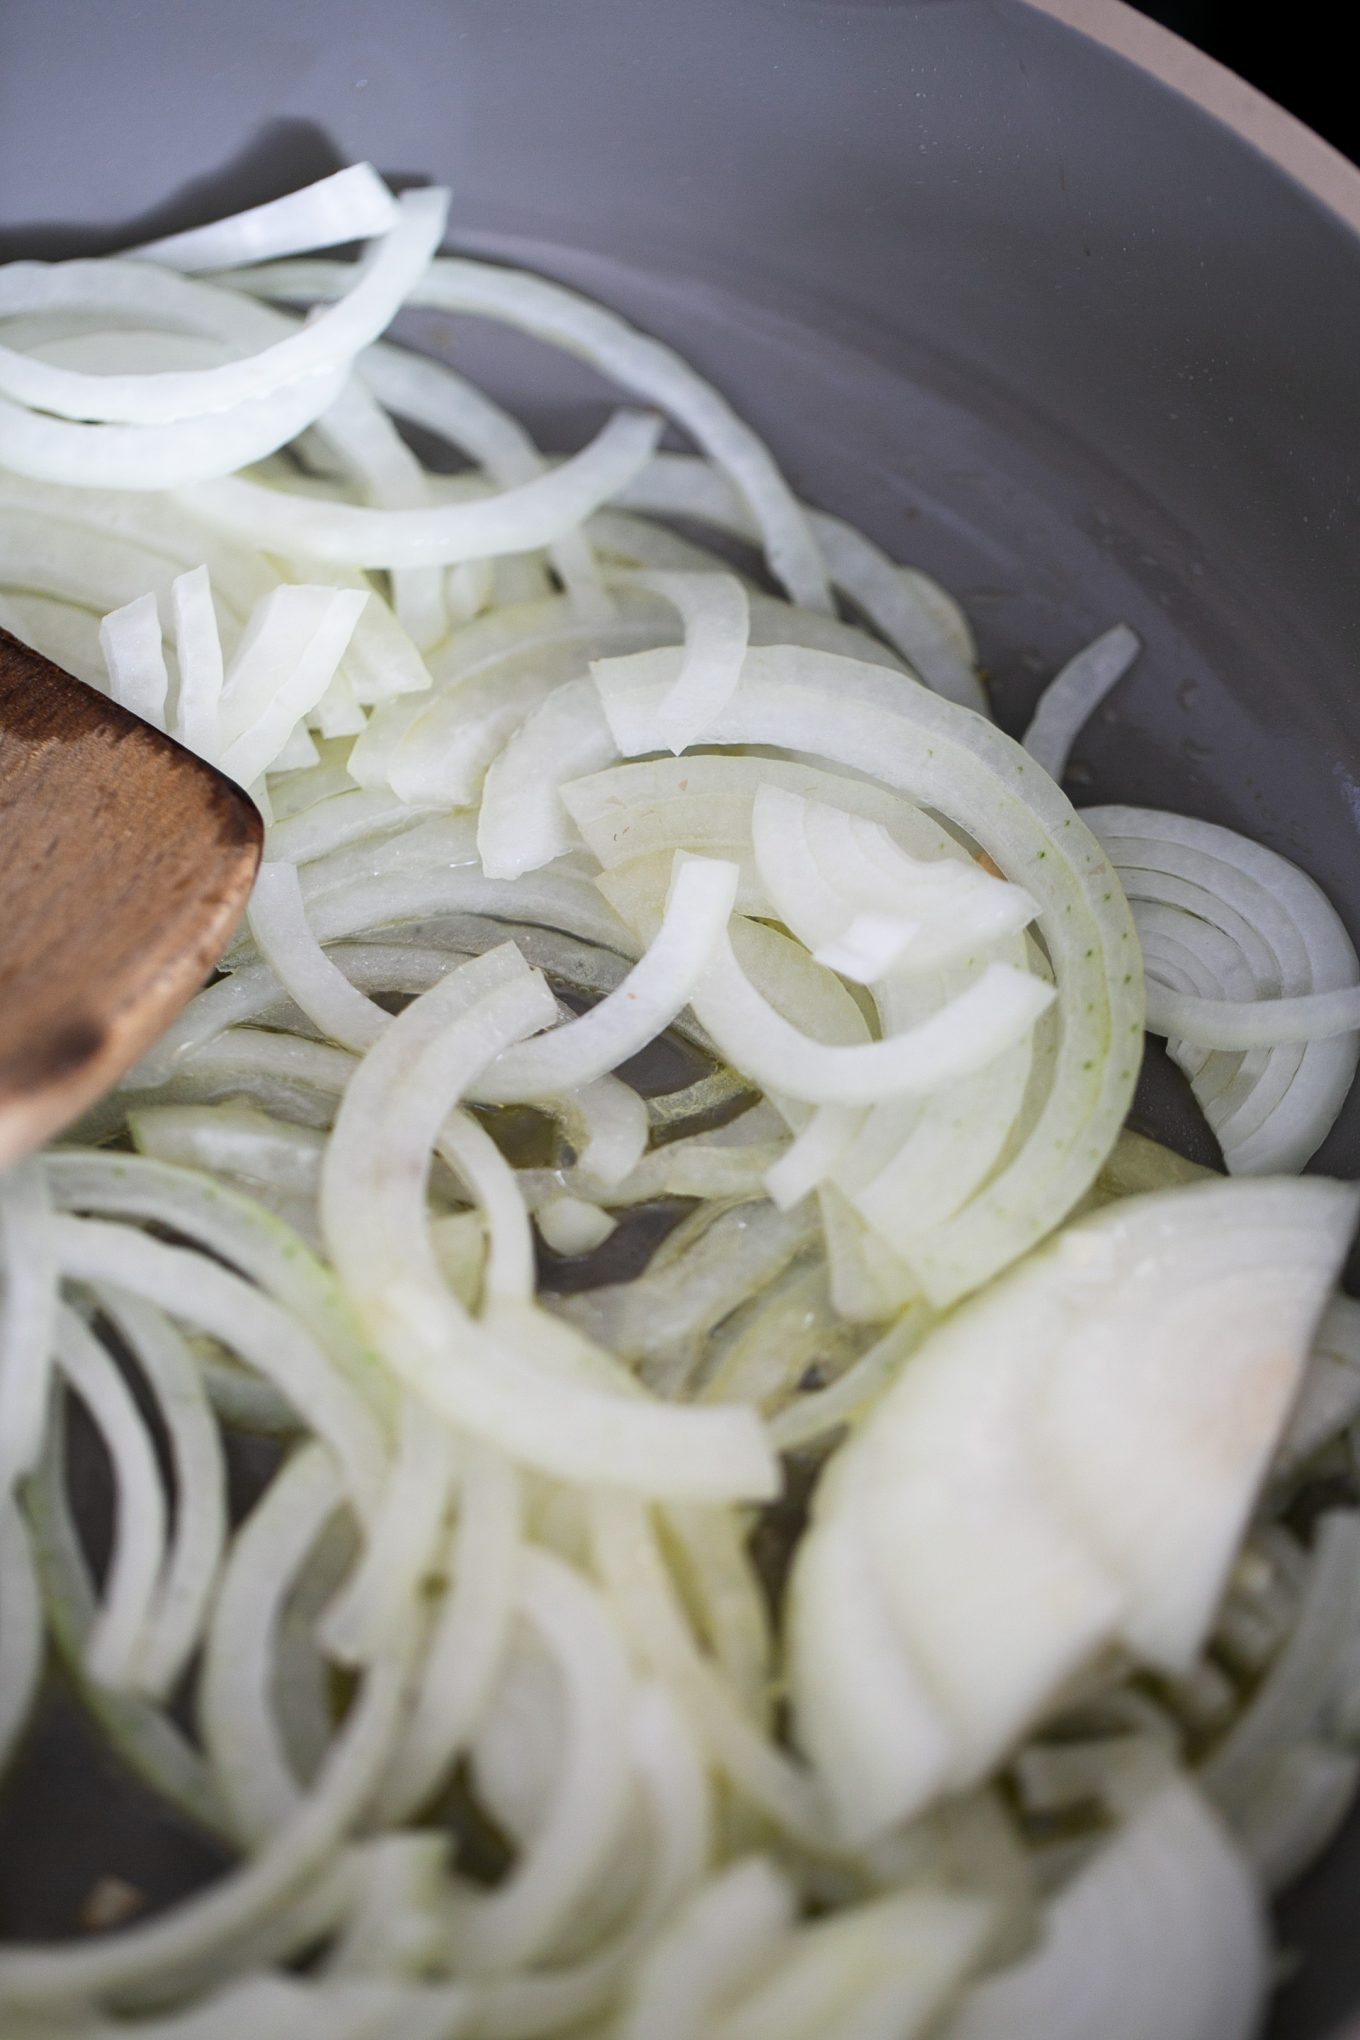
pixel 126 862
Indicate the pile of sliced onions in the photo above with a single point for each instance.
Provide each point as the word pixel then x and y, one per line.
pixel 662 1001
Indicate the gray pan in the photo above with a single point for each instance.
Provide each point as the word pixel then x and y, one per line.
pixel 1048 303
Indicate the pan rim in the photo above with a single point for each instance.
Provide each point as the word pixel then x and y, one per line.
pixel 1288 142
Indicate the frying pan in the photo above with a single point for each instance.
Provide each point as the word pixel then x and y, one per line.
pixel 1051 305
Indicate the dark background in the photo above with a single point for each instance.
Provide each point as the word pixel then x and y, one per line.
pixel 1292 53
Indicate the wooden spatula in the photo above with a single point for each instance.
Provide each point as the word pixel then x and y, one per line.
pixel 125 863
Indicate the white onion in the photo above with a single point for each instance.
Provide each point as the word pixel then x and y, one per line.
pixel 380 283
pixel 692 929
pixel 506 1572
pixel 198 649
pixel 21 1630
pixel 130 639
pixel 139 1536
pixel 241 1735
pixel 1075 693
pixel 350 205
pixel 532 514
pixel 1046 1400
pixel 27 1315
pixel 640 364
pixel 1162 1935
pixel 1249 919
pixel 857 717
pixel 716 617
pixel 910 611
pixel 184 1592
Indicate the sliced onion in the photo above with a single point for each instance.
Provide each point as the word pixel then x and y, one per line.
pixel 884 1968
pixel 286 661
pixel 697 911
pixel 842 885
pixel 716 617
pixel 518 520
pixel 184 1592
pixel 1163 1934
pixel 501 1930
pixel 176 1945
pixel 570 1226
pixel 198 649
pixel 912 613
pixel 237 1721
pixel 1074 694
pixel 720 1940
pixel 350 205
pixel 27 1317
pixel 863 719
pixel 963 1036
pixel 468 1635
pixel 642 365
pixel 21 1630
pixel 139 1537
pixel 1141 1335
pixel 393 1107
pixel 130 639
pixel 377 287
pixel 190 1288
pixel 1240 909
pixel 191 451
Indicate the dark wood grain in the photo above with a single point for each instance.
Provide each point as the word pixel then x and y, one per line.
pixel 126 862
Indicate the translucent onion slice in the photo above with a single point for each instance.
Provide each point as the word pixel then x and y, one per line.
pixel 1253 1023
pixel 378 286
pixel 866 1715
pixel 571 1227
pixel 278 921
pixel 193 1290
pixel 468 1635
pixel 639 364
pixel 1163 1933
pixel 1329 1401
pixel 22 1643
pixel 1140 1338
pixel 910 611
pixel 516 520
pixel 504 1929
pixel 154 1748
pixel 719 1941
pixel 177 1947
pixel 286 660
pixel 236 1712
pixel 621 1025
pixel 184 1592
pixel 885 1967
pixel 198 651
pixel 140 1521
pixel 630 1564
pixel 1241 918
pixel 1074 694
pixel 963 1036
pixel 374 1218
pixel 842 885
pixel 130 639
pixel 430 394
pixel 351 205
pixel 947 760
pixel 379 1598
pixel 717 620
pixel 522 824
pixel 27 1317
pixel 193 450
